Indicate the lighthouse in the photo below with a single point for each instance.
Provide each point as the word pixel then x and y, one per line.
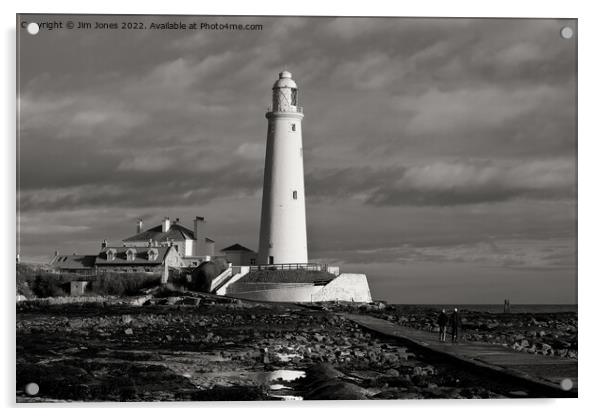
pixel 283 235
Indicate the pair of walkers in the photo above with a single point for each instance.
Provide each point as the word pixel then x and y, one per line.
pixel 444 321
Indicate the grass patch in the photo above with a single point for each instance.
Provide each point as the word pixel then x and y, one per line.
pixel 35 281
pixel 123 284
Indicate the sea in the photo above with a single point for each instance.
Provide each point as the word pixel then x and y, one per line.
pixel 499 308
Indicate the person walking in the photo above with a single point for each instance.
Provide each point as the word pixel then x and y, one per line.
pixel 442 322
pixel 455 324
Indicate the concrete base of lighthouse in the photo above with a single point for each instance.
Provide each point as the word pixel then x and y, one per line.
pixel 347 287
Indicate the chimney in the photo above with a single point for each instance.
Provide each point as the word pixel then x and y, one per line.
pixel 165 225
pixel 199 242
pixel 56 253
pixel 139 226
pixel 197 220
pixel 103 245
pixel 177 220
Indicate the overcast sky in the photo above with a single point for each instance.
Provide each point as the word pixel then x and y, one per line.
pixel 440 154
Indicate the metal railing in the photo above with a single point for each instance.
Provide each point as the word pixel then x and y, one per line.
pixel 289 109
pixel 291 266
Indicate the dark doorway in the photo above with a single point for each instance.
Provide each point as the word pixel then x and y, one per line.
pixel 271 260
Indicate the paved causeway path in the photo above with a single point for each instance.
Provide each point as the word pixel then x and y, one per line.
pixel 540 372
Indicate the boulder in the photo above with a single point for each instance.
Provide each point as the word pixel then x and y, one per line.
pixel 336 390
pixel 325 384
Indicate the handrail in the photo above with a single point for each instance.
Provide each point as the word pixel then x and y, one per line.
pixel 290 266
pixel 289 109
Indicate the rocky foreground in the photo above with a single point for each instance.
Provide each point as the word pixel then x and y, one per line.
pixel 177 346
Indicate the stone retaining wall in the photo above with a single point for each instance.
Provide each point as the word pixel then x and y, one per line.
pixel 347 287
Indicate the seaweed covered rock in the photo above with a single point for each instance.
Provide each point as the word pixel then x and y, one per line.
pixel 324 382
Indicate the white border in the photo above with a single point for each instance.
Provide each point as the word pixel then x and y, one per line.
pixel 589 188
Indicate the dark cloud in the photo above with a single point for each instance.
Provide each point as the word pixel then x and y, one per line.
pixel 447 184
pixel 162 188
pixel 438 136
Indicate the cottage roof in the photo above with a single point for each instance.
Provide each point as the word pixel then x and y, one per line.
pixel 74 261
pixel 236 247
pixel 176 232
pixel 142 255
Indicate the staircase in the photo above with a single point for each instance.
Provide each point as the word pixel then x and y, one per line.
pixel 235 273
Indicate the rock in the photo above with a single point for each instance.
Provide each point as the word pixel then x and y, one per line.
pixel 301 339
pixel 322 372
pixel 265 358
pixel 336 390
pixel 560 344
pixel 172 300
pixel 129 331
pixel 191 301
pixel 392 372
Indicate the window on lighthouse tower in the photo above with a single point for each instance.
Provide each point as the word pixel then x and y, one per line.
pixel 294 194
pixel 293 96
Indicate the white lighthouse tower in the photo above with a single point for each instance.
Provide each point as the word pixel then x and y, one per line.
pixel 283 236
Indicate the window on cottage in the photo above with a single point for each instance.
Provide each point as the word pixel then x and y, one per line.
pixel 153 254
pixel 131 254
pixel 253 262
pixel 294 194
